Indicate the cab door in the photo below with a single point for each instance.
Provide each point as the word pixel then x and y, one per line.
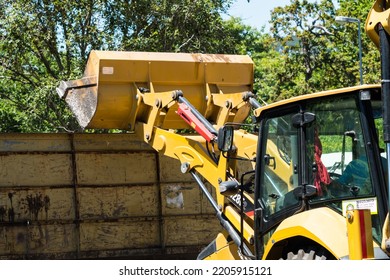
pixel 285 168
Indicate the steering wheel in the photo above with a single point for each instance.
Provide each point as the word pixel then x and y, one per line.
pixel 339 190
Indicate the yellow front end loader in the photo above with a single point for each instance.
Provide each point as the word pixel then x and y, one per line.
pixel 306 179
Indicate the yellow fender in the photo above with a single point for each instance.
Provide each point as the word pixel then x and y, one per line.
pixel 323 226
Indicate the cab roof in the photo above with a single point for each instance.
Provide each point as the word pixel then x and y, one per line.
pixel 359 88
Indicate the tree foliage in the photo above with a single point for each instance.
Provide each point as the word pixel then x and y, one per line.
pixel 371 55
pixel 165 25
pixel 45 41
pixel 317 53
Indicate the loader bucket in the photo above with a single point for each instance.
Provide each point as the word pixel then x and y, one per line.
pixel 114 83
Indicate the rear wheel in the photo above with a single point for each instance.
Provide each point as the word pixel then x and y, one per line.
pixel 302 255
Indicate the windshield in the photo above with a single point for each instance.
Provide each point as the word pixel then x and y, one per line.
pixel 339 146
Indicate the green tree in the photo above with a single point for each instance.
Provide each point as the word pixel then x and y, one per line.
pixel 302 32
pixel 43 42
pixel 166 25
pixel 314 52
pixel 244 39
pixel 371 55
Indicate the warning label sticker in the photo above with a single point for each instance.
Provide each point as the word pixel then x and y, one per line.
pixel 364 203
pixel 108 70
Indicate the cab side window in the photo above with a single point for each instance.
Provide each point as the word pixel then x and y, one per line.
pixel 278 178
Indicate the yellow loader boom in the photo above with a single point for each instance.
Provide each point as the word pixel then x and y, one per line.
pixel 378 16
pixel 155 94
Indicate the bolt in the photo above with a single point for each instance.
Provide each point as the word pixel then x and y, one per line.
pixel 176 94
pixel 147 137
pixel 350 216
pixel 185 166
pixel 228 104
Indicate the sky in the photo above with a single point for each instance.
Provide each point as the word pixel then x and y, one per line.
pixel 257 13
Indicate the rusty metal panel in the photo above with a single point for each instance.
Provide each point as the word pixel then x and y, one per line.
pixel 34 142
pixel 119 235
pixel 108 142
pixel 117 168
pixel 43 204
pixel 96 195
pixel 206 206
pixel 118 202
pixel 51 238
pixel 170 171
pixel 13 240
pixel 25 169
pixel 46 240
pixel 202 230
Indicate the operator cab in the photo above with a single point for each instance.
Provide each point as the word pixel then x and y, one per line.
pixel 324 152
pixel 319 150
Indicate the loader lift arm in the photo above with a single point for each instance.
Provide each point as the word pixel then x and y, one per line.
pixel 146 92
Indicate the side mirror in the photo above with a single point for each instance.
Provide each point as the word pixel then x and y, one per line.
pixel 225 138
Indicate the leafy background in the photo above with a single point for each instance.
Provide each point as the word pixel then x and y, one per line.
pixel 43 42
